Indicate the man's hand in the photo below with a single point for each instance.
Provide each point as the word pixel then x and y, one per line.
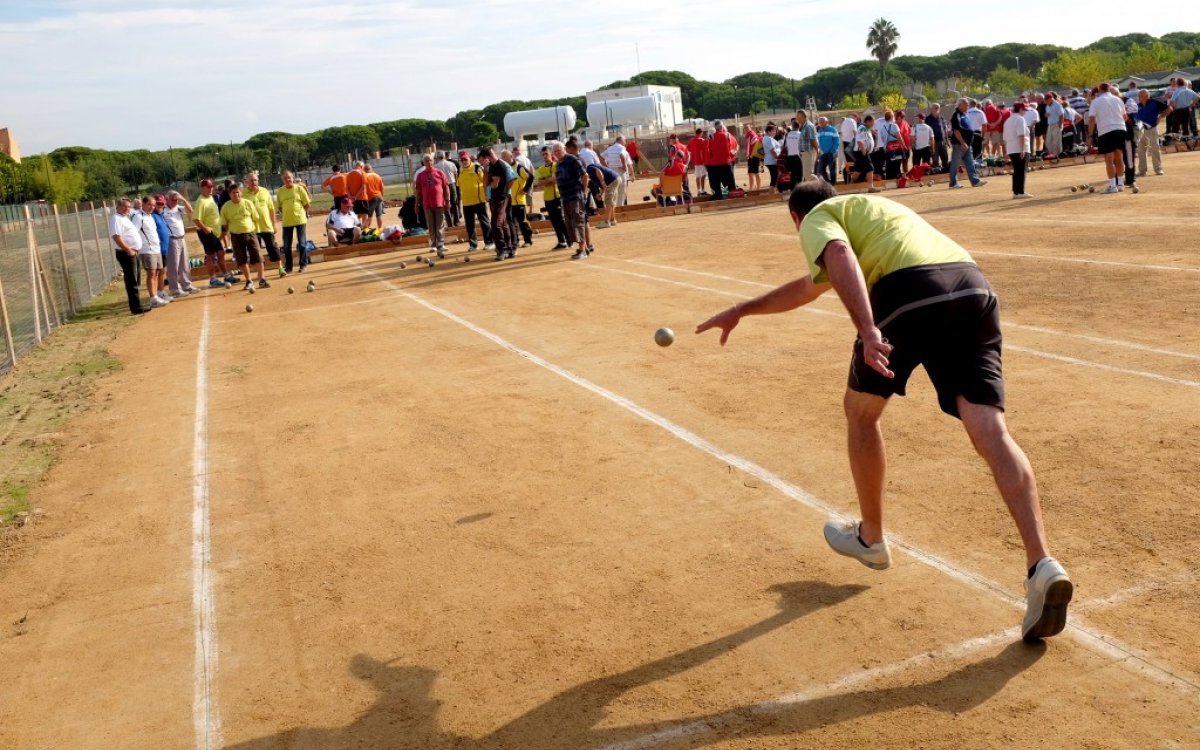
pixel 726 320
pixel 875 352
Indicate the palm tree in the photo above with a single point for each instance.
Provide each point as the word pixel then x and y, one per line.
pixel 881 40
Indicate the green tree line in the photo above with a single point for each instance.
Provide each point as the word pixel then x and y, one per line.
pixel 75 173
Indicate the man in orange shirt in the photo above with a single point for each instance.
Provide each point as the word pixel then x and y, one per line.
pixel 335 185
pixel 356 188
pixel 374 184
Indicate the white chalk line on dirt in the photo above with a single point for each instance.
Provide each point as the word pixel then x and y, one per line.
pixel 205 717
pixel 1134 592
pixel 853 680
pixel 1056 258
pixel 310 309
pixel 1012 347
pixel 1098 641
pixel 1018 326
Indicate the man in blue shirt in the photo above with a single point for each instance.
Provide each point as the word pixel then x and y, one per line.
pixel 960 147
pixel 828 141
pixel 572 181
pixel 1183 102
pixel 1146 121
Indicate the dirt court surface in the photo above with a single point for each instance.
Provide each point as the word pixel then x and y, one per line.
pixel 474 506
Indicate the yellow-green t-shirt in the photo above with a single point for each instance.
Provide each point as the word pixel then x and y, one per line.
pixel 265 221
pixel 240 218
pixel 292 201
pixel 546 172
pixel 208 214
pixel 472 184
pixel 886 236
pixel 517 189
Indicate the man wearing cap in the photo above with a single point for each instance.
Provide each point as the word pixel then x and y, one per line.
pixel 126 241
pixel 433 196
pixel 207 220
pixel 179 269
pixel 472 187
pixel 264 225
pixel 450 169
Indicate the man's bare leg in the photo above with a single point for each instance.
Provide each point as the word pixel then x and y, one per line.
pixel 1012 472
pixel 868 459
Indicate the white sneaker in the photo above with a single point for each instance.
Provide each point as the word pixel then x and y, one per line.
pixel 1022 195
pixel 164 297
pixel 842 536
pixel 157 302
pixel 1112 189
pixel 1046 596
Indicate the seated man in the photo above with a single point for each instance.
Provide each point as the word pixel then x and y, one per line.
pixel 343 227
pixel 676 167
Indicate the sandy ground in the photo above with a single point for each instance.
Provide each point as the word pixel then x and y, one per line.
pixel 474 506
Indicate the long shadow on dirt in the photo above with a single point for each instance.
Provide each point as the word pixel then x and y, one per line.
pixel 405 715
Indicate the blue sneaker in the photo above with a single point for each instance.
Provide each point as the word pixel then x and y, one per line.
pixel 216 283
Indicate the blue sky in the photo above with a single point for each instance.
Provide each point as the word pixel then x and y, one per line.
pixel 186 74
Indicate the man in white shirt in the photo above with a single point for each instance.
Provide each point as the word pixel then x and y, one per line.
pixel 587 154
pixel 343 226
pixel 864 147
pixel 922 141
pixel 1016 143
pixel 847 131
pixel 179 270
pixel 771 151
pixel 1106 123
pixel 977 119
pixel 127 241
pixel 616 158
pixel 150 252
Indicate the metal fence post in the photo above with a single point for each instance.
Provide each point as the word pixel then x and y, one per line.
pixel 34 289
pixel 99 251
pixel 87 272
pixel 72 297
pixel 8 337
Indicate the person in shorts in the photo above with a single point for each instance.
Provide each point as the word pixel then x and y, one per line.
pixel 1106 123
pixel 241 220
pixel 374 185
pixel 207 220
pixel 916 298
pixel 571 178
pixel 343 226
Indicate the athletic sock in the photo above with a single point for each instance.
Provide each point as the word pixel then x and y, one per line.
pixel 1113 182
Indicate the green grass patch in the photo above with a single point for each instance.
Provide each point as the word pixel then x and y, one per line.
pixel 100 363
pixel 14 499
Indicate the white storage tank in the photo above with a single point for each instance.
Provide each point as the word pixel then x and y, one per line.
pixel 638 111
pixel 538 122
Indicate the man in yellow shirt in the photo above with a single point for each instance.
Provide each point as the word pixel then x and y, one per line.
pixel 293 201
pixel 518 204
pixel 916 298
pixel 207 220
pixel 472 187
pixel 241 221
pixel 545 180
pixel 265 227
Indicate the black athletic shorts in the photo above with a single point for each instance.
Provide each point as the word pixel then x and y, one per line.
pixel 1113 140
pixel 945 317
pixel 211 243
pixel 753 165
pixel 362 208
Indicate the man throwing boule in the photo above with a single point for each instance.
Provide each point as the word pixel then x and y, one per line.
pixel 916 298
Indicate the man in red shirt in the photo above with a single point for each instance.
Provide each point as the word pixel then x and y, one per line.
pixel 635 155
pixel 993 139
pixel 698 157
pixel 433 195
pixel 721 149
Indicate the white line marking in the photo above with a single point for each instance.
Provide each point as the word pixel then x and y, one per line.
pixel 205 716
pixel 1006 324
pixel 1133 592
pixel 1012 347
pixel 1100 642
pixel 314 308
pixel 695 728
pixel 1058 258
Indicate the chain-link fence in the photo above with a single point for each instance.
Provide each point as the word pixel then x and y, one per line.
pixel 53 261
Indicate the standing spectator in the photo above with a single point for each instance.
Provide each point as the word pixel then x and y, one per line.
pixel 450 169
pixel 335 185
pixel 433 196
pixel 960 149
pixel 941 159
pixel 266 221
pixel 864 151
pixel 771 149
pixel 616 158
pixel 222 194
pixel 1147 124
pixel 570 176
pixel 551 197
pixel 343 227
pixel 207 219
pixel 374 186
pixel 905 129
pixel 588 155
pixel 500 177
pixel 847 132
pixel 635 156
pixel 1054 125
pixel 293 201
pixel 241 220
pixel 472 186
pixel 164 236
pixel 720 165
pixel 698 156
pixel 127 240
pixel 887 145
pixel 922 141
pixel 1183 102
pixel 1106 123
pixel 179 270
pixel 356 188
pixel 150 253
pixel 519 199
pixel 754 158
pixel 801 143
pixel 1078 103
pixel 603 184
pixel 1032 119
pixel 1016 143
pixel 829 142
pixel 976 119
pixel 520 160
pixel 1130 154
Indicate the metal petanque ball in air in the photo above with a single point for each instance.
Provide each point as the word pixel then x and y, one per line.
pixel 249 308
pixel 664 337
pixel 291 290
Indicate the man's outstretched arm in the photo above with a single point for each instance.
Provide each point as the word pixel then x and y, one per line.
pixel 781 299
